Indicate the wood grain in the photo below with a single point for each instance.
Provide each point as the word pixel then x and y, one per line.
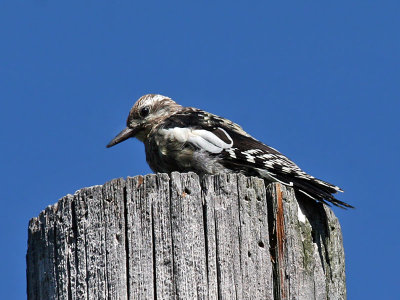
pixel 179 236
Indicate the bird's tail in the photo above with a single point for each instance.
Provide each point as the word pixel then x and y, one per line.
pixel 320 191
pixel 315 189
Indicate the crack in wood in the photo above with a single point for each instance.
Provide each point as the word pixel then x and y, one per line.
pixel 280 236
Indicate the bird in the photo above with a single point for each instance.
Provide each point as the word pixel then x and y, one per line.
pixel 185 139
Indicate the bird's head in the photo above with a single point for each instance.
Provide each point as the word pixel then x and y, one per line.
pixel 148 111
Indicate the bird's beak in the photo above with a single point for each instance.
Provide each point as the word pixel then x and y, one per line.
pixel 122 136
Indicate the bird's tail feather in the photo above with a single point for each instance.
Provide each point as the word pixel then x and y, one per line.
pixel 320 193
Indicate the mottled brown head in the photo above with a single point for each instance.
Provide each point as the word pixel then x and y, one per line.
pixel 147 112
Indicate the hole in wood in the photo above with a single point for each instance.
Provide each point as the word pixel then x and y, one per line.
pixel 261 244
pixel 118 237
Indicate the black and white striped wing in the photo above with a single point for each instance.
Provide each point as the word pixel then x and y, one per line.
pixel 240 152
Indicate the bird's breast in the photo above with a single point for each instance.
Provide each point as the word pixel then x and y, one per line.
pixel 182 150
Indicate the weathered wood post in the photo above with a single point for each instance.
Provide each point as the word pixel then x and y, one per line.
pixel 161 237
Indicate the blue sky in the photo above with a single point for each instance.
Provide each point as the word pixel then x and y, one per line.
pixel 319 82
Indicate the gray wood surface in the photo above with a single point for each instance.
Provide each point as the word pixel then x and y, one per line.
pixel 180 237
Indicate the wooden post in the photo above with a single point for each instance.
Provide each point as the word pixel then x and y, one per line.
pixel 178 237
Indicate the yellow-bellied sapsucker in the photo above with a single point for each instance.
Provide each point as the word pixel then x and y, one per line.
pixel 184 139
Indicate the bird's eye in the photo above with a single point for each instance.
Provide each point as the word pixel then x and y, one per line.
pixel 144 111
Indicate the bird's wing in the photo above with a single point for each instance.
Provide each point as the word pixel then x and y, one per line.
pixel 242 153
